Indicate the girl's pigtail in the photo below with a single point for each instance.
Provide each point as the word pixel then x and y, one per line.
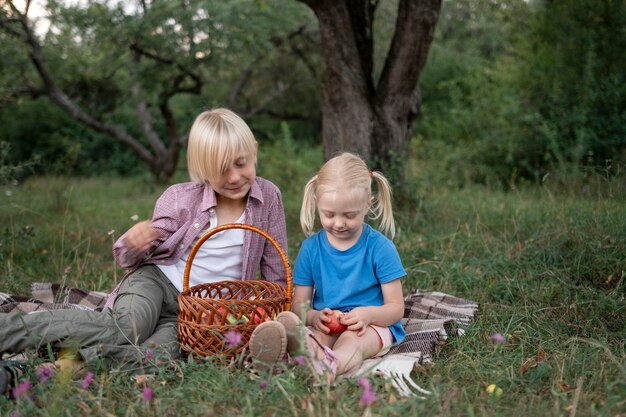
pixel 381 206
pixel 307 211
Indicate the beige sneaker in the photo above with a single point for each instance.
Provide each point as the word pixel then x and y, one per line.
pixel 295 331
pixel 268 344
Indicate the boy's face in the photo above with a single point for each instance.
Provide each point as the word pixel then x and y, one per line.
pixel 342 214
pixel 235 183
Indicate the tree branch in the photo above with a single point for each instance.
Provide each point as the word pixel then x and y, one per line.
pixel 147 124
pixel 61 99
pixel 415 26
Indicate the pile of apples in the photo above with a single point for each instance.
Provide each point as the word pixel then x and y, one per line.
pixel 257 318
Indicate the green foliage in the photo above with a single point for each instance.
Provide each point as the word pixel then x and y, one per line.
pixel 515 90
pixel 575 77
pixel 10 172
pixel 243 54
pixel 61 145
pixel 289 165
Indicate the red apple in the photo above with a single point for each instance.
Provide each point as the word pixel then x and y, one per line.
pixel 334 326
pixel 217 317
pixel 260 316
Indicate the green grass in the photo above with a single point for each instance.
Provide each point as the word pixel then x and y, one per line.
pixel 547 265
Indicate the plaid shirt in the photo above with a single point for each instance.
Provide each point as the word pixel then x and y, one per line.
pixel 184 210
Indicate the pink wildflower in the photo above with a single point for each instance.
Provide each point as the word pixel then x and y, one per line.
pixel 149 354
pixel 147 394
pixel 300 360
pixel 263 384
pixel 87 380
pixel 67 269
pixel 233 339
pixel 44 374
pixel 497 338
pixel 364 383
pixel 368 396
pixel 22 389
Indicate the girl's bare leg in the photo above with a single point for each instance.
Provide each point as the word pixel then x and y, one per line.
pixel 351 350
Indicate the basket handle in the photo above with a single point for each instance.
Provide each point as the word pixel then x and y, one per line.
pixel 281 252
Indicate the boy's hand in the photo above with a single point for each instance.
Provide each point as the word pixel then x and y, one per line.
pixel 140 236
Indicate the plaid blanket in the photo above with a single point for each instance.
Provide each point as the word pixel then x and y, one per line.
pixel 429 318
pixel 48 296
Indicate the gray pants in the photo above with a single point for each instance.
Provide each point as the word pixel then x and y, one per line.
pixel 143 317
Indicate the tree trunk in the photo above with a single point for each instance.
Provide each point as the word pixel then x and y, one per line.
pixel 358 115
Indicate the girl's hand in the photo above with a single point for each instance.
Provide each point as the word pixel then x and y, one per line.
pixel 357 320
pixel 140 236
pixel 320 318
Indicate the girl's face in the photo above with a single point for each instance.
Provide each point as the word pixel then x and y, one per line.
pixel 342 214
pixel 235 183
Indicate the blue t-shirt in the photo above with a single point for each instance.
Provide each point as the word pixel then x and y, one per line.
pixel 352 278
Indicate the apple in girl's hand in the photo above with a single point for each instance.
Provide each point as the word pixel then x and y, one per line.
pixel 334 326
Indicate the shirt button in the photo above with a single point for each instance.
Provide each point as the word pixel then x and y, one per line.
pixel 197 225
pixel 182 246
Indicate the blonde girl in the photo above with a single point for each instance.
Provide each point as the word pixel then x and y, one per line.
pixel 347 267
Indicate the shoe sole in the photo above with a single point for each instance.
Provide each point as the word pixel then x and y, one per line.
pixel 268 343
pixel 295 330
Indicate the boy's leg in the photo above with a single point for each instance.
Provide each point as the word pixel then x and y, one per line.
pixel 133 319
pixel 160 349
pixel 151 302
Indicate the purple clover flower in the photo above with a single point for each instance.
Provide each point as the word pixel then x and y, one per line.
pixel 87 380
pixel 22 389
pixel 44 374
pixel 497 338
pixel 233 339
pixel 300 360
pixel 368 395
pixel 147 394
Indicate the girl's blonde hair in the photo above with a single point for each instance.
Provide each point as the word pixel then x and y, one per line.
pixel 348 172
pixel 215 140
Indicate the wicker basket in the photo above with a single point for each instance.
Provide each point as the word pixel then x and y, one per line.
pixel 209 311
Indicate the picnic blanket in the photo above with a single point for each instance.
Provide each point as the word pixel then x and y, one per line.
pixel 429 319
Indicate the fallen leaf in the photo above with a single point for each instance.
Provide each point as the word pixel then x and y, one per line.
pixel 563 386
pixel 541 355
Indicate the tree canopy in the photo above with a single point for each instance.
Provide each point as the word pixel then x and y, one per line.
pixel 495 90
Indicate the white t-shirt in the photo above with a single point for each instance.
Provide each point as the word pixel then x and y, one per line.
pixel 220 258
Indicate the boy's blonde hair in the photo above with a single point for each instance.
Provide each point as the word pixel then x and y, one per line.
pixel 347 171
pixel 215 140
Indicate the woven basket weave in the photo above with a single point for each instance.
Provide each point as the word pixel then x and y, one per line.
pixel 209 311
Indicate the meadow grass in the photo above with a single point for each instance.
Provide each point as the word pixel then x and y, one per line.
pixel 547 265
